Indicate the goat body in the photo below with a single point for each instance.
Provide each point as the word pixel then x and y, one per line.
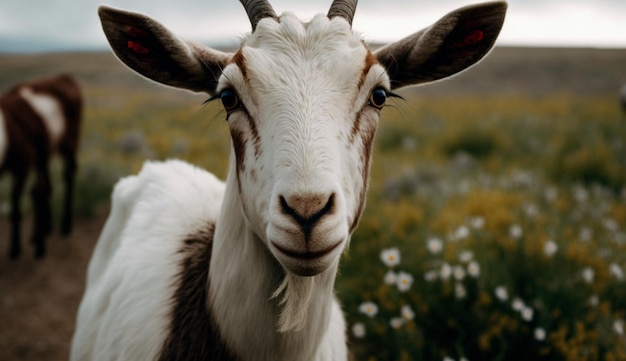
pixel 189 268
pixel 37 120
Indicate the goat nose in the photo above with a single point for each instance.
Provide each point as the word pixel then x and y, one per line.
pixel 307 209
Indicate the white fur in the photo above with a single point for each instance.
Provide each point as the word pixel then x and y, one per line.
pixel 124 312
pixel 4 138
pixel 50 111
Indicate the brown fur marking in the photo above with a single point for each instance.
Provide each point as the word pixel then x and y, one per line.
pixel 370 60
pixel 239 60
pixel 367 141
pixel 193 333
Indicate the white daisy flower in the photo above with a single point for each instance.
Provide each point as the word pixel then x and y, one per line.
pixel 461 233
pixel 617 271
pixel 430 276
pixel 459 273
pixel 477 222
pixel 611 225
pixel 368 308
pixel 466 256
pixel 404 282
pixel 473 269
pixel 550 248
pixel 435 245
pixel 358 330
pixel 396 322
pixel 540 334
pixel 407 312
pixel 531 210
pixel 527 313
pixel 518 305
pixel 588 274
pixel 459 291
pixel 502 293
pixel 445 271
pixel 618 327
pixel 391 278
pixel 390 257
pixel 516 231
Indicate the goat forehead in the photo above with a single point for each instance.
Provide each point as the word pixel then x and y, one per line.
pixel 295 53
pixel 291 31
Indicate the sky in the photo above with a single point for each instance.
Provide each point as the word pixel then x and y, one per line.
pixel 59 25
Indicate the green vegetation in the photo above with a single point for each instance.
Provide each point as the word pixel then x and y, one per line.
pixel 515 253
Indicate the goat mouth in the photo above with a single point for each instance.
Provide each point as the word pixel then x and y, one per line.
pixel 307 263
pixel 307 255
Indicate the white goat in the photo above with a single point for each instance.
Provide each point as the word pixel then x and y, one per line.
pixel 189 268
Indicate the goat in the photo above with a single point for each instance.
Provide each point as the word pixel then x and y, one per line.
pixel 190 268
pixel 37 120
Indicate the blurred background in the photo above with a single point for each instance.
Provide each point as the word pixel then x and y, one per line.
pixel 501 191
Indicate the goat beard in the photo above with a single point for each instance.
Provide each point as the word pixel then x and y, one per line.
pixel 295 294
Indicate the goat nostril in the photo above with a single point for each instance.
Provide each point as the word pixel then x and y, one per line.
pixel 330 204
pixel 307 209
pixel 284 206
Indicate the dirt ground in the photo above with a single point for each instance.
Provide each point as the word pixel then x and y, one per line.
pixel 39 299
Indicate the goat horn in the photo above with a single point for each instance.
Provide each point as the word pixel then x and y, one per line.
pixel 344 9
pixel 257 10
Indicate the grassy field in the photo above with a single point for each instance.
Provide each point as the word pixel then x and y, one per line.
pixel 496 218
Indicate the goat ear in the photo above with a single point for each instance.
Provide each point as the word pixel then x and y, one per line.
pixel 452 44
pixel 153 51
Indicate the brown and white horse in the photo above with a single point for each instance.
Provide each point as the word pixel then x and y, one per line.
pixel 37 120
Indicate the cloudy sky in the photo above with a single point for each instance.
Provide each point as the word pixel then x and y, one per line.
pixel 51 25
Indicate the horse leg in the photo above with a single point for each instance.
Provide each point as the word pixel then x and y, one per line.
pixel 19 182
pixel 68 210
pixel 43 216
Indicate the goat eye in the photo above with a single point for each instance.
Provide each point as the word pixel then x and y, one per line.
pixel 378 98
pixel 230 100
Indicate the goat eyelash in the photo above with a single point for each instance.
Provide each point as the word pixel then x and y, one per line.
pixel 394 95
pixel 214 97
